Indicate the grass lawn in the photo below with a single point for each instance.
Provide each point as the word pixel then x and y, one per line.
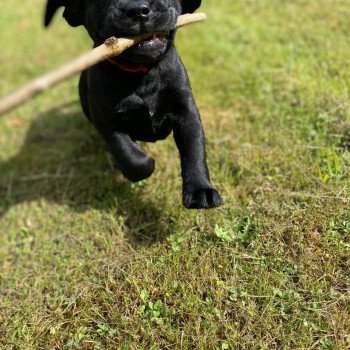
pixel 90 263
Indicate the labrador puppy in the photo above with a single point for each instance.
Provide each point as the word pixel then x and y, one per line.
pixel 144 94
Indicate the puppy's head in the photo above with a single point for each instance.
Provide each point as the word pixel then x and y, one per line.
pixel 126 18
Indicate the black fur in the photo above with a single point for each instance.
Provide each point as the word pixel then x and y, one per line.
pixel 126 107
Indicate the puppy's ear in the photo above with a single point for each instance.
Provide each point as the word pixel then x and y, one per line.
pixel 73 12
pixel 189 6
pixel 51 7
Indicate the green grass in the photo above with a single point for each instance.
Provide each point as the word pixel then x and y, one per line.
pixel 90 263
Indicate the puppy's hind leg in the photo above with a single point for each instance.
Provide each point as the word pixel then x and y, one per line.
pixel 130 158
pixel 83 93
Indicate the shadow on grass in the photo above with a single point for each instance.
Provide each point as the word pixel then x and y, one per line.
pixel 63 160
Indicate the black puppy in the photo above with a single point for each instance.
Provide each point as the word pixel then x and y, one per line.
pixel 143 94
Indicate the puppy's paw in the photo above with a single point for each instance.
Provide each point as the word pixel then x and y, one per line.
pixel 141 170
pixel 202 198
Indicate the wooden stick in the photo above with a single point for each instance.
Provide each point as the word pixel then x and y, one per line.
pixel 111 47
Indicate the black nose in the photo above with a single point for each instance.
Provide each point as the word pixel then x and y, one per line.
pixel 139 10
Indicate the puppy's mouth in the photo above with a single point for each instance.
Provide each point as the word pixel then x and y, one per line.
pixel 157 41
pixel 149 50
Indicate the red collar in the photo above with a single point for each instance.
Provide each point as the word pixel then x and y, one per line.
pixel 130 69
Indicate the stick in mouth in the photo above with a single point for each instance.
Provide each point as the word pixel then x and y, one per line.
pixel 112 47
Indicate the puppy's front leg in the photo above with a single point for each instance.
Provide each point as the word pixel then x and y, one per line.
pixel 198 192
pixel 133 162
